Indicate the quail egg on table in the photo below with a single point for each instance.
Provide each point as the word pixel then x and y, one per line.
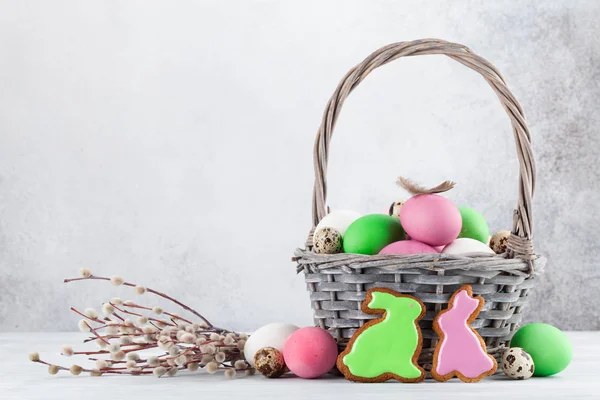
pixel 269 362
pixel 517 364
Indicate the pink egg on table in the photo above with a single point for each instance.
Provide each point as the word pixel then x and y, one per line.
pixel 431 219
pixel 310 352
pixel 407 247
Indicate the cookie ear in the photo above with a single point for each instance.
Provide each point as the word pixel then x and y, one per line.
pixel 379 300
pixel 464 303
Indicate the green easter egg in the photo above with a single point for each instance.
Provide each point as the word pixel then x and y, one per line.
pixel 371 233
pixel 549 347
pixel 473 225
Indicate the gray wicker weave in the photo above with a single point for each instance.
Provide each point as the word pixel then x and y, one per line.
pixel 338 283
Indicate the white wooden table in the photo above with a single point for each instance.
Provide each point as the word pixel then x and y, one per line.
pixel 24 380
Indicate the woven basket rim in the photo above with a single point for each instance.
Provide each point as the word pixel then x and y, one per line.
pixel 306 259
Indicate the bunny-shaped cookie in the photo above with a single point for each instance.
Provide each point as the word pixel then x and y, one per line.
pixel 461 351
pixel 387 347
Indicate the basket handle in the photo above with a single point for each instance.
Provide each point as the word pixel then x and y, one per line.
pixel 520 241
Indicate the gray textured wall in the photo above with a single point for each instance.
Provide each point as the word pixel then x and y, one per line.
pixel 171 143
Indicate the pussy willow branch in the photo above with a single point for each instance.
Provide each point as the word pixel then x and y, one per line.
pixel 95 333
pixel 187 345
pixel 160 321
pixel 99 371
pixel 164 296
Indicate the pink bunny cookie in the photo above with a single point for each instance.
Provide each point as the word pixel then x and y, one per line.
pixel 461 351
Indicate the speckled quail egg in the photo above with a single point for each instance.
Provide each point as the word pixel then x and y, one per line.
pixel 499 241
pixel 517 364
pixel 395 208
pixel 327 241
pixel 269 362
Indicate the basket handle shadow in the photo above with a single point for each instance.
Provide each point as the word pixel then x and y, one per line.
pixel 520 244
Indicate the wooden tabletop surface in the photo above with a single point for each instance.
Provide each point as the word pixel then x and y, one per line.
pixel 22 379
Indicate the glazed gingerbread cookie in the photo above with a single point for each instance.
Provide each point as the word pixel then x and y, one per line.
pixel 461 352
pixel 387 347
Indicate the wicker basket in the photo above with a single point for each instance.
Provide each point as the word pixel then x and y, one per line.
pixel 337 283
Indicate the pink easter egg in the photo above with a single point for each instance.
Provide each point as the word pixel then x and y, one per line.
pixel 407 247
pixel 310 352
pixel 431 219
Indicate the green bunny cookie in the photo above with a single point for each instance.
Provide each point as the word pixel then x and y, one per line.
pixel 387 347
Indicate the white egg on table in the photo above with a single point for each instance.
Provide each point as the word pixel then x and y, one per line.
pixel 271 335
pixel 466 245
pixel 339 220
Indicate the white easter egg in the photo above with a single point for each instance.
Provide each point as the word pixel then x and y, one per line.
pixel 466 245
pixel 340 220
pixel 271 335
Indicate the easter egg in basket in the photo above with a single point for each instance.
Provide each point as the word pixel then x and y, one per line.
pixel 407 247
pixel 395 208
pixel 465 246
pixel 371 233
pixel 499 241
pixel 474 225
pixel 339 220
pixel 431 219
pixel 327 241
